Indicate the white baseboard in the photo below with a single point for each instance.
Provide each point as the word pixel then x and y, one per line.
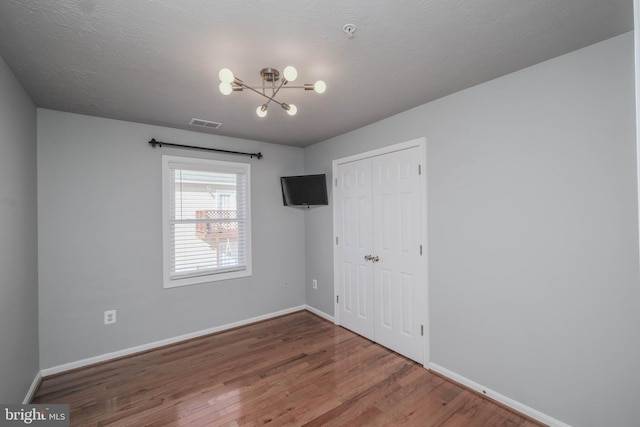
pixel 516 406
pixel 150 346
pixel 319 313
pixel 32 390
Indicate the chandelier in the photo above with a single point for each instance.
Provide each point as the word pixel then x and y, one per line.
pixel 270 87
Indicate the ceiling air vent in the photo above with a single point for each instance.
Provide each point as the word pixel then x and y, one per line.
pixel 205 123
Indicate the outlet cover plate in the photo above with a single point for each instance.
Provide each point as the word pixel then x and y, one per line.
pixel 109 317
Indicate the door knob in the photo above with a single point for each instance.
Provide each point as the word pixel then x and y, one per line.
pixel 375 258
pixel 368 257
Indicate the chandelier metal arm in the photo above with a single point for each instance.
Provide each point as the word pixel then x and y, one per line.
pixel 306 86
pixel 270 98
pixel 274 92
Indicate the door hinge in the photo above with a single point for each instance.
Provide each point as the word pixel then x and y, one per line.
pixel 421 330
pixel 336 240
pixel 336 182
pixel 419 169
pixel 420 249
pixel 337 299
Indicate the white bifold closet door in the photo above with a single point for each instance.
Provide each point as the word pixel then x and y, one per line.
pixel 380 263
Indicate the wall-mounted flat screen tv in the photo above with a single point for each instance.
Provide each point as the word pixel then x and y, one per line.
pixel 304 190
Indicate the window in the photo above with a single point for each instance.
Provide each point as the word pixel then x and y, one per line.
pixel 206 220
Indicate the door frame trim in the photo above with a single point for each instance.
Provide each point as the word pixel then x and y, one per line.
pixel 420 143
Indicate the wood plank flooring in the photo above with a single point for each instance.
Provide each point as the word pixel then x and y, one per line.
pixel 295 370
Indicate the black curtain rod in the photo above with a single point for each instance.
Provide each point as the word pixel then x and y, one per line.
pixel 153 143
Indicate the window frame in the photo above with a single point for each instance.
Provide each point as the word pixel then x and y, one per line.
pixel 167 186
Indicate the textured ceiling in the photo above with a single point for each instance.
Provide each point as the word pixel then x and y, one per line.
pixel 157 61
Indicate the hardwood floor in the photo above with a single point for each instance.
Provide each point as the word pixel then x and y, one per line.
pixel 295 370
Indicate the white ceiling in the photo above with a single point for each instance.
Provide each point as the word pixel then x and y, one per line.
pixel 157 61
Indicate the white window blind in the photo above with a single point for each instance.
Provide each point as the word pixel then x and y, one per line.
pixel 207 220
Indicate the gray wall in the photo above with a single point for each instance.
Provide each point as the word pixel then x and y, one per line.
pixel 18 240
pixel 533 225
pixel 100 238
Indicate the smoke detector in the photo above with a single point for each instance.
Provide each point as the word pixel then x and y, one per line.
pixel 349 29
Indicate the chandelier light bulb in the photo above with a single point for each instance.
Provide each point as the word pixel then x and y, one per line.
pixel 261 111
pixel 292 110
pixel 319 86
pixel 225 88
pixel 290 73
pixel 226 76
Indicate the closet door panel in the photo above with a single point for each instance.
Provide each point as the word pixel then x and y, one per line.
pixel 353 219
pixel 397 231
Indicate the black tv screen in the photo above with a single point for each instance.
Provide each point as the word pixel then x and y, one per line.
pixel 304 190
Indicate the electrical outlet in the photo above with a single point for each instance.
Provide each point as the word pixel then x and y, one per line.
pixel 286 285
pixel 315 284
pixel 109 317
